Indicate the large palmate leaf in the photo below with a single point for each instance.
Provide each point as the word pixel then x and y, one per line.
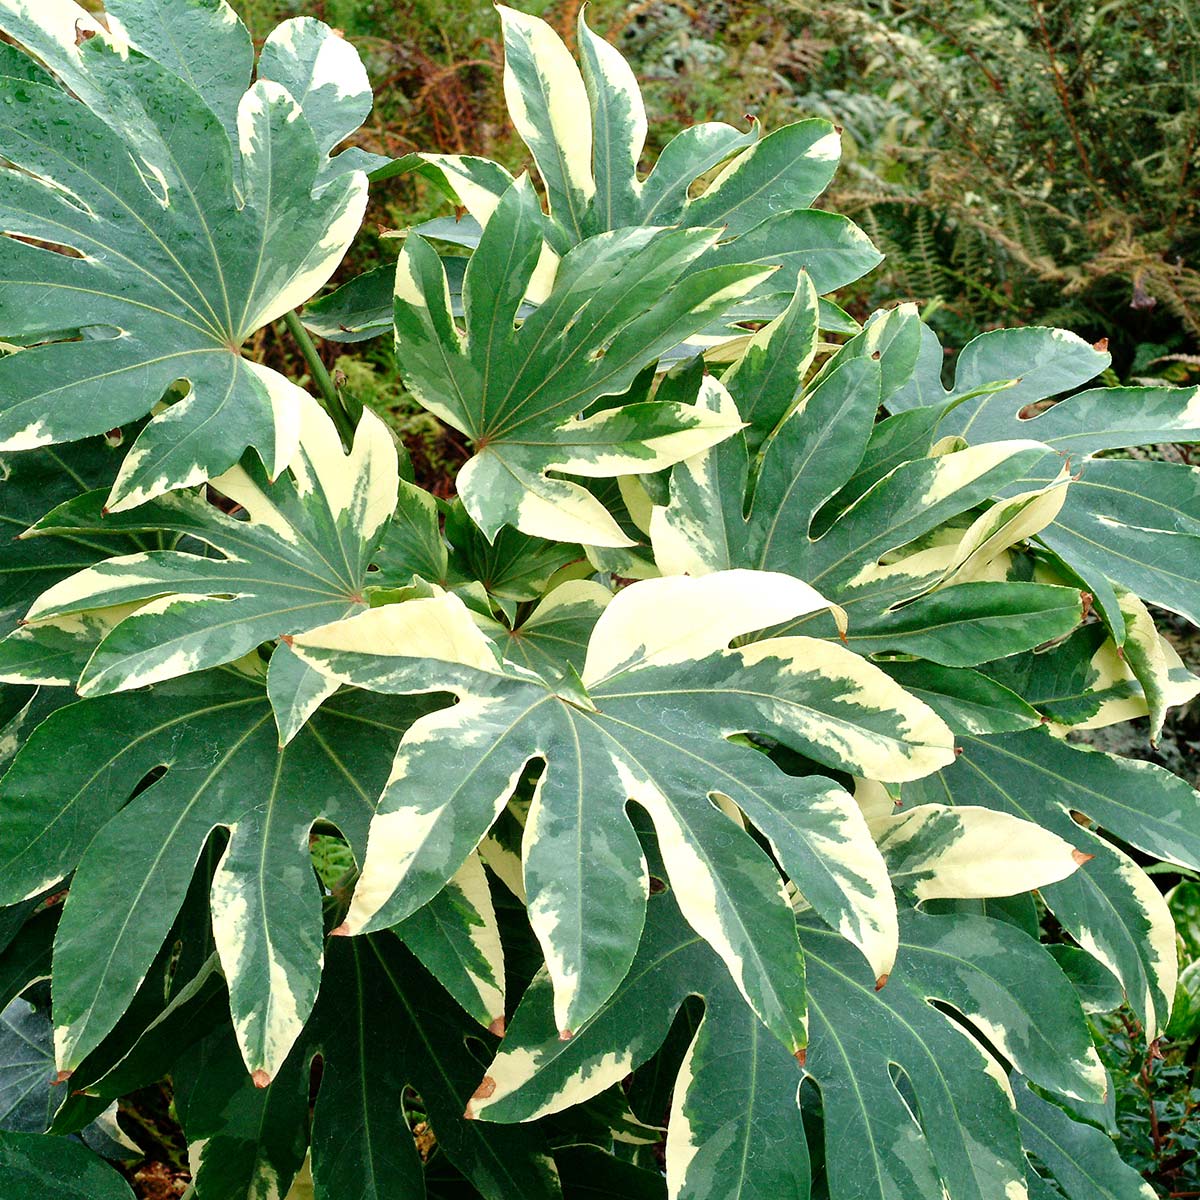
pixel 67 807
pixel 382 1026
pixel 177 209
pixel 735 1127
pixel 891 603
pixel 519 394
pixel 300 560
pixel 1110 907
pixel 1136 523
pixel 648 719
pixel 587 131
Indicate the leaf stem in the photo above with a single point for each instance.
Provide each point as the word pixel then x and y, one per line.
pixel 330 400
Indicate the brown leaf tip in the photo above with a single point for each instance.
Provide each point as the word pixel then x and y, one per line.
pixel 260 1079
pixel 1081 858
pixel 287 639
pixel 565 1035
pixel 343 930
pixel 497 1026
pixel 801 1055
pixel 881 981
pixel 61 1077
pixel 1101 346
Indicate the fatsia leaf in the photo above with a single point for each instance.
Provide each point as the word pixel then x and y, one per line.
pixel 357 311
pixel 735 1128
pixel 68 806
pixel 589 1173
pixel 513 567
pixel 968 701
pixel 887 600
pixel 404 1032
pixel 518 393
pixel 586 133
pixel 31 485
pixel 300 560
pixel 1028 365
pixel 587 130
pixel 1110 907
pixel 1136 523
pixel 648 719
pixel 26 958
pixel 28 1095
pixel 244 1141
pixel 181 999
pixel 457 937
pixel 382 1026
pixel 769 374
pixel 26 1068
pixel 187 208
pixel 557 631
pixel 1086 681
pixel 1081 1159
pixel 32 1165
pixel 937 851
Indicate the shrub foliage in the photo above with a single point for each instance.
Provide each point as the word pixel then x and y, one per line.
pixel 701 778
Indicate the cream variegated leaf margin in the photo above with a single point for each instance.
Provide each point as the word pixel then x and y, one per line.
pixel 904 577
pixel 196 207
pixel 669 621
pixel 1110 906
pixel 586 129
pixel 1153 662
pixel 938 851
pixel 519 387
pixel 79 804
pixel 1004 525
pixel 546 97
pixel 648 720
pixel 300 560
pixel 736 1124
pixel 457 937
pixel 1118 691
pixel 1088 682
pixel 1126 520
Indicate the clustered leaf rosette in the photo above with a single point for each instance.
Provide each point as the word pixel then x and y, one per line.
pixel 167 209
pixel 698 778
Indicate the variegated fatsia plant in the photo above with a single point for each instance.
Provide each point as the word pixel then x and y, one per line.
pixel 705 780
